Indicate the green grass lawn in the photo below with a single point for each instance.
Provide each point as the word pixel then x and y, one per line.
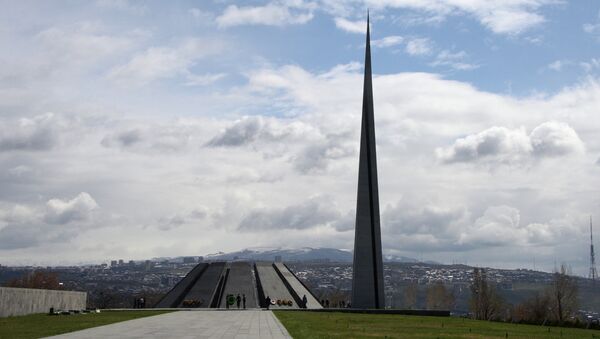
pixel 347 325
pixel 42 325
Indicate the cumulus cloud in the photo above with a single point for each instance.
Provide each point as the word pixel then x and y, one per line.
pixel 272 14
pixel 499 225
pixel 419 46
pixel 437 228
pixel 180 219
pixel 77 209
pixel 501 17
pixel 203 79
pixel 409 220
pixel 387 41
pixel 502 226
pixel 39 133
pixel 593 28
pixel 314 212
pixel 454 60
pixel 316 157
pixel 164 137
pixel 555 139
pixel 165 62
pixel 84 43
pixel 126 138
pixel 503 145
pixel 556 65
pixel 257 128
pixel 591 65
pixel 359 27
pixel 24 226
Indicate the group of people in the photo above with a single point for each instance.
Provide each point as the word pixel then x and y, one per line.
pixel 230 299
pixel 340 304
pixel 304 302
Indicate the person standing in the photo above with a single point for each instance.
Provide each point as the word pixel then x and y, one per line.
pixel 304 301
pixel 268 301
pixel 244 300
pixel 238 300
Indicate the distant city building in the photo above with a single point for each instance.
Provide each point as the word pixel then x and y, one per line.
pixel 277 258
pixel 113 263
pixel 121 262
pixel 131 263
pixel 200 259
pixel 189 260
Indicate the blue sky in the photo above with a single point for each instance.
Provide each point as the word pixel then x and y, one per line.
pixel 129 128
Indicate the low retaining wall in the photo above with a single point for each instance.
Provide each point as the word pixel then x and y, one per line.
pixel 21 301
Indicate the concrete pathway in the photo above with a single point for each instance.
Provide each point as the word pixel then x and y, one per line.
pixel 248 324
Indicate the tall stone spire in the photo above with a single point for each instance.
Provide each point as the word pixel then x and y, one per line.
pixel 367 276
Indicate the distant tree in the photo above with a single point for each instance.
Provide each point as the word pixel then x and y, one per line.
pixel 563 295
pixel 485 302
pixel 105 299
pixel 410 295
pixel 36 279
pixel 336 296
pixel 439 298
pixel 533 310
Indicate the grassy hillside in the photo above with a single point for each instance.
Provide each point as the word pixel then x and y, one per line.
pixel 42 325
pixel 346 325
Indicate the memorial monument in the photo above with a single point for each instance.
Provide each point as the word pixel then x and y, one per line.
pixel 367 274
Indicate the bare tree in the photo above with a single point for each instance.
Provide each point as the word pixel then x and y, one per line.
pixel 533 310
pixel 410 295
pixel 563 295
pixel 485 302
pixel 36 279
pixel 439 298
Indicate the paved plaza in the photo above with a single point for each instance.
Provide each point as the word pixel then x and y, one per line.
pixel 192 324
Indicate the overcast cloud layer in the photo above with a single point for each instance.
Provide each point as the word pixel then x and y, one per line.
pixel 129 130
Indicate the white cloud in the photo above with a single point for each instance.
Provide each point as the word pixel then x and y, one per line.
pixel 503 145
pixel 256 128
pixel 387 41
pixel 203 79
pixel 272 14
pixel 84 42
pixel 454 60
pixel 147 138
pixel 123 5
pixel 359 27
pixel 202 16
pixel 592 65
pixel 39 133
pixel 419 46
pixel 593 28
pixel 314 212
pixel 164 62
pixel 555 139
pixel 501 17
pixel 556 65
pixel 77 209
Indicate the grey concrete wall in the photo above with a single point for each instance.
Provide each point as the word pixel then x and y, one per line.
pixel 21 301
pixel 272 285
pixel 297 286
pixel 241 281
